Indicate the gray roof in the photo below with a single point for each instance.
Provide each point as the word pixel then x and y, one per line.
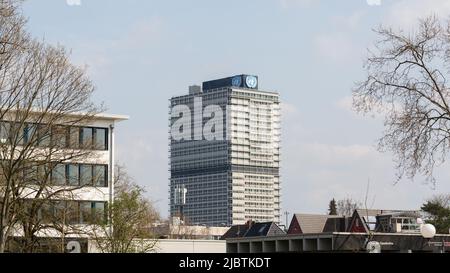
pixel 264 229
pixel 312 223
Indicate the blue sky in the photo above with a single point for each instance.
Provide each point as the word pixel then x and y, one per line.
pixel 140 53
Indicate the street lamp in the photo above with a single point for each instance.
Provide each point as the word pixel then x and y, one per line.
pixel 428 231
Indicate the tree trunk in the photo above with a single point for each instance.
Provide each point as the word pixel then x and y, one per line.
pixel 2 243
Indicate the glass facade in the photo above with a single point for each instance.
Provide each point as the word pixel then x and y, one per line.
pixel 73 212
pixel 80 175
pixel 231 181
pixel 70 137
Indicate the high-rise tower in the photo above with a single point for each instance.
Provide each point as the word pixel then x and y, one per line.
pixel 235 176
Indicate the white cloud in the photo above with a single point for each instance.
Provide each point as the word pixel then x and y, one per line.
pixel 339 43
pixel 326 154
pixel 143 33
pixel 380 113
pixel 100 55
pixel 405 13
pixel 374 2
pixel 289 110
pixel 317 172
pixel 349 22
pixel 293 3
pixel 335 46
pixel 73 2
pixel 138 155
pixel 346 104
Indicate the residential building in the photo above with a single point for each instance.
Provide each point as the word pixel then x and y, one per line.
pixel 362 220
pixel 384 230
pixel 252 229
pixel 236 177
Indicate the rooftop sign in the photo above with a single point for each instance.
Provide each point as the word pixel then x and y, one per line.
pixel 240 81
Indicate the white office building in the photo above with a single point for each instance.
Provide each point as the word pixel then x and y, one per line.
pixel 235 179
pixel 91 175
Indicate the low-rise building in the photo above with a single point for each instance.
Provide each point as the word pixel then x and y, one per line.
pixel 252 229
pixel 364 231
pixel 177 229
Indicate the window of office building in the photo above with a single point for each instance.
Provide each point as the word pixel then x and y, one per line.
pixel 44 174
pixel 57 210
pixel 92 213
pixel 100 176
pixel 17 133
pixel 46 213
pixel 99 212
pixel 79 175
pixel 59 175
pixel 74 137
pixel 85 175
pixel 85 212
pixel 59 136
pixel 73 175
pixel 100 139
pixel 86 138
pixel 34 173
pixel 4 132
pixel 43 135
pixel 29 133
pixel 72 213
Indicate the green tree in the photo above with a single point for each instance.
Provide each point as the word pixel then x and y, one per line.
pixel 332 207
pixel 130 219
pixel 438 209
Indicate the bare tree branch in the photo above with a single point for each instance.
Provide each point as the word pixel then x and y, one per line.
pixel 42 97
pixel 407 82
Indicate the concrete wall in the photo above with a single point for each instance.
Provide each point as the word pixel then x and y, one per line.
pixel 190 246
pixel 339 242
pixel 282 244
pixel 179 246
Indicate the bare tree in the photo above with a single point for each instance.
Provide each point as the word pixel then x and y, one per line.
pixel 347 206
pixel 131 216
pixel 441 199
pixel 12 34
pixel 407 81
pixel 43 98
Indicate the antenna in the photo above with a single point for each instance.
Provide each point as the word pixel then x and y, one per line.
pixel 286 213
pixel 180 199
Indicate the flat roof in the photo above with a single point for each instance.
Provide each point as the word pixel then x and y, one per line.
pixel 113 117
pixel 210 91
pixel 104 116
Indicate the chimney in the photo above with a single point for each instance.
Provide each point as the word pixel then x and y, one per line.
pixel 250 223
